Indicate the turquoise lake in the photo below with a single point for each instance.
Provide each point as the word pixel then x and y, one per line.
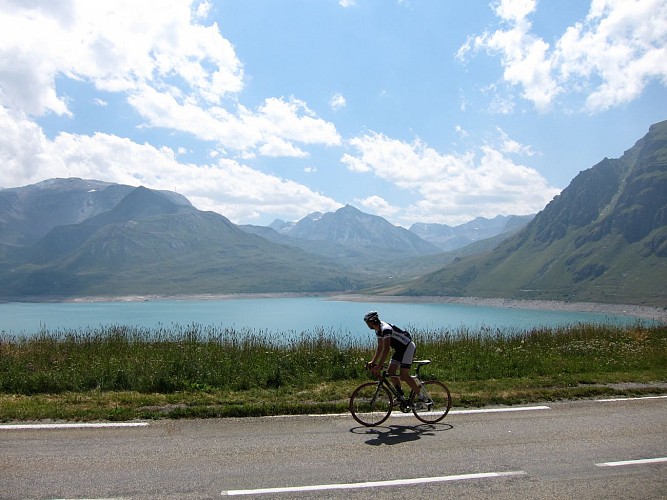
pixel 281 315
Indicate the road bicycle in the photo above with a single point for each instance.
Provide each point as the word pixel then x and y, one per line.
pixel 372 402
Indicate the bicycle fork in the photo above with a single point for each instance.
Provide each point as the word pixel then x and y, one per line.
pixel 375 396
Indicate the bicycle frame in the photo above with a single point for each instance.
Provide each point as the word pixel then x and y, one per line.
pixel 385 380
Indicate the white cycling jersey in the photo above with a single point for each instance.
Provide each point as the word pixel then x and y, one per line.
pixel 399 338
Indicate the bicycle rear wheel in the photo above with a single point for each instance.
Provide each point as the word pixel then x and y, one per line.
pixel 370 404
pixel 437 405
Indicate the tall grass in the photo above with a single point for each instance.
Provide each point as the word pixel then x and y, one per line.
pixel 545 352
pixel 208 358
pixel 165 360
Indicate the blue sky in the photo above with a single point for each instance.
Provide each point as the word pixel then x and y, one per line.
pixel 413 110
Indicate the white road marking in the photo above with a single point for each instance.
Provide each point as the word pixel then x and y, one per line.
pixel 372 484
pixel 74 425
pixel 499 410
pixel 395 414
pixel 399 414
pixel 642 461
pixel 630 399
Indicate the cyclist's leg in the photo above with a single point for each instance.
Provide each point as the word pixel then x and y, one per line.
pixel 392 371
pixel 406 363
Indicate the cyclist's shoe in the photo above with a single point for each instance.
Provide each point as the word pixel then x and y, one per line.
pixel 404 404
pixel 423 403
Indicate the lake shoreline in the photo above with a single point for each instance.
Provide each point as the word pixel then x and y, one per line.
pixel 636 311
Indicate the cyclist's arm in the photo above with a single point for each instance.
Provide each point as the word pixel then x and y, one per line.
pixel 382 351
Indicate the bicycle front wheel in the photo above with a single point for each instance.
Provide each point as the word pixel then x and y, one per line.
pixel 437 404
pixel 370 404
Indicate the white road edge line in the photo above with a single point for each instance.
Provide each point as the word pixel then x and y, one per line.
pixel 499 410
pixel 630 399
pixel 452 412
pixel 372 484
pixel 641 461
pixel 81 425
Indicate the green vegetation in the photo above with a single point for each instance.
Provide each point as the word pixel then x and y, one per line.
pixel 121 373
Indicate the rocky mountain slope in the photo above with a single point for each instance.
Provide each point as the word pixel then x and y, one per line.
pixel 604 238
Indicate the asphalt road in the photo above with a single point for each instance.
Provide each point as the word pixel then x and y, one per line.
pixel 557 451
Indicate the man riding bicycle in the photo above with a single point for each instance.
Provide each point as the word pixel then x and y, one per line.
pixel 391 337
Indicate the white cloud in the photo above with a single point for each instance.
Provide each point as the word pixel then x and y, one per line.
pixel 22 150
pixel 510 146
pixel 176 73
pixel 117 45
pixel 616 51
pixel 523 54
pixel 378 206
pixel 407 165
pixel 452 188
pixel 609 57
pixel 347 3
pixel 461 131
pixel 337 102
pixel 276 147
pixel 514 10
pixel 293 120
pixel 202 9
pixel 226 186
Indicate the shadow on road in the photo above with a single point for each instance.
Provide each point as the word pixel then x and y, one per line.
pixel 396 434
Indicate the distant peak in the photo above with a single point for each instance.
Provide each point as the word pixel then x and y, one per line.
pixel 348 208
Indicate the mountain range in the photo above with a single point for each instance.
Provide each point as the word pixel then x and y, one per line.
pixel 64 237
pixel 449 238
pixel 149 242
pixel 604 238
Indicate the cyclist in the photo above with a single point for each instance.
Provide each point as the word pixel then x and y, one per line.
pixel 391 337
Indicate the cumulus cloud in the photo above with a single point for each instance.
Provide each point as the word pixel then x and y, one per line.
pixel 118 46
pixel 451 187
pixel 225 186
pixel 175 72
pixel 609 57
pixel 619 48
pixel 378 206
pixel 510 146
pixel 337 101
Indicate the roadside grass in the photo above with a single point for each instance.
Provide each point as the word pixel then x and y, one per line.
pixel 124 373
